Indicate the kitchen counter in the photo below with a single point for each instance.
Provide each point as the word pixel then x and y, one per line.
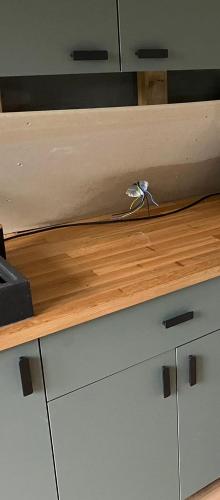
pixel 81 273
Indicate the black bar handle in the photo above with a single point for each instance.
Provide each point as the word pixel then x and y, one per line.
pixel 89 55
pixel 26 380
pixel 152 53
pixel 182 318
pixel 2 244
pixel 192 370
pixel 166 381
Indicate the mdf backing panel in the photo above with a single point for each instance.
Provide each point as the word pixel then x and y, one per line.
pixel 64 165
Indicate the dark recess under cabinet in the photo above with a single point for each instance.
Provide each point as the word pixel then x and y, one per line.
pixel 38 93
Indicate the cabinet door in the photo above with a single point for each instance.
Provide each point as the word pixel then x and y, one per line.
pixel 39 37
pixel 117 438
pixel 189 30
pixel 26 465
pixel 199 413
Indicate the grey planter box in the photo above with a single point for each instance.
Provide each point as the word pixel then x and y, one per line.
pixel 15 295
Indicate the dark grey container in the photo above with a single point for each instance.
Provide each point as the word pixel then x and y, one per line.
pixel 15 295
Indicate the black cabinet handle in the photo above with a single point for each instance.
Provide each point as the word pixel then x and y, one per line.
pixel 89 55
pixel 2 244
pixel 192 370
pixel 152 53
pixel 166 381
pixel 182 318
pixel 26 380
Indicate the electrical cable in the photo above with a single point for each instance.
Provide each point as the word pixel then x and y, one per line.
pixel 42 229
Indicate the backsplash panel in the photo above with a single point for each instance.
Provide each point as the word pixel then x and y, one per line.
pixel 66 165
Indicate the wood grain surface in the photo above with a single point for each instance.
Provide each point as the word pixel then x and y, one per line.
pixel 152 87
pixel 211 492
pixel 78 274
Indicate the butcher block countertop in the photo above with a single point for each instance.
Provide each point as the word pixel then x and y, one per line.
pixel 81 273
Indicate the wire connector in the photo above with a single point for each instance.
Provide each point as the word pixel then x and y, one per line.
pixel 140 191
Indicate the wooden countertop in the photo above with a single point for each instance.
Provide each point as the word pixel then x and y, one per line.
pixel 81 273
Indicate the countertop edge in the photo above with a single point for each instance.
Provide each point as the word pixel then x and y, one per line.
pixel 10 339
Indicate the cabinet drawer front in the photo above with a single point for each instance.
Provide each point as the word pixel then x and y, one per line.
pixel 91 351
pixel 187 30
pixel 112 438
pixel 40 37
pixel 199 414
pixel 26 470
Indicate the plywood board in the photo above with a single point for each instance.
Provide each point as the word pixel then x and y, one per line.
pixel 62 165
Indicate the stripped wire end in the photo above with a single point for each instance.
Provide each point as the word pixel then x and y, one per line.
pixel 140 192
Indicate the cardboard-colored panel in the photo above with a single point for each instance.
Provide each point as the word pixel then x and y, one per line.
pixel 59 165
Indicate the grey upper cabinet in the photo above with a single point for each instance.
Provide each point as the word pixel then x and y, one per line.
pixel 199 413
pixel 26 465
pixel 117 438
pixel 39 37
pixel 188 30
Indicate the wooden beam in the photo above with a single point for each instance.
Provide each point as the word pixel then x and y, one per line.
pixel 152 87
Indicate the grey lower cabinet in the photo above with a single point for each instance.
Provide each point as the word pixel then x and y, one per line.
pixel 40 37
pixel 149 431
pixel 199 413
pixel 188 30
pixel 26 465
pixel 134 399
pixel 117 438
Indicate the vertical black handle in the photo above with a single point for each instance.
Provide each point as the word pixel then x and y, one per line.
pixel 166 381
pixel 192 370
pixel 2 244
pixel 26 380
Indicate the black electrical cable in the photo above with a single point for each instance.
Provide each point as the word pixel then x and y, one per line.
pixel 43 229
